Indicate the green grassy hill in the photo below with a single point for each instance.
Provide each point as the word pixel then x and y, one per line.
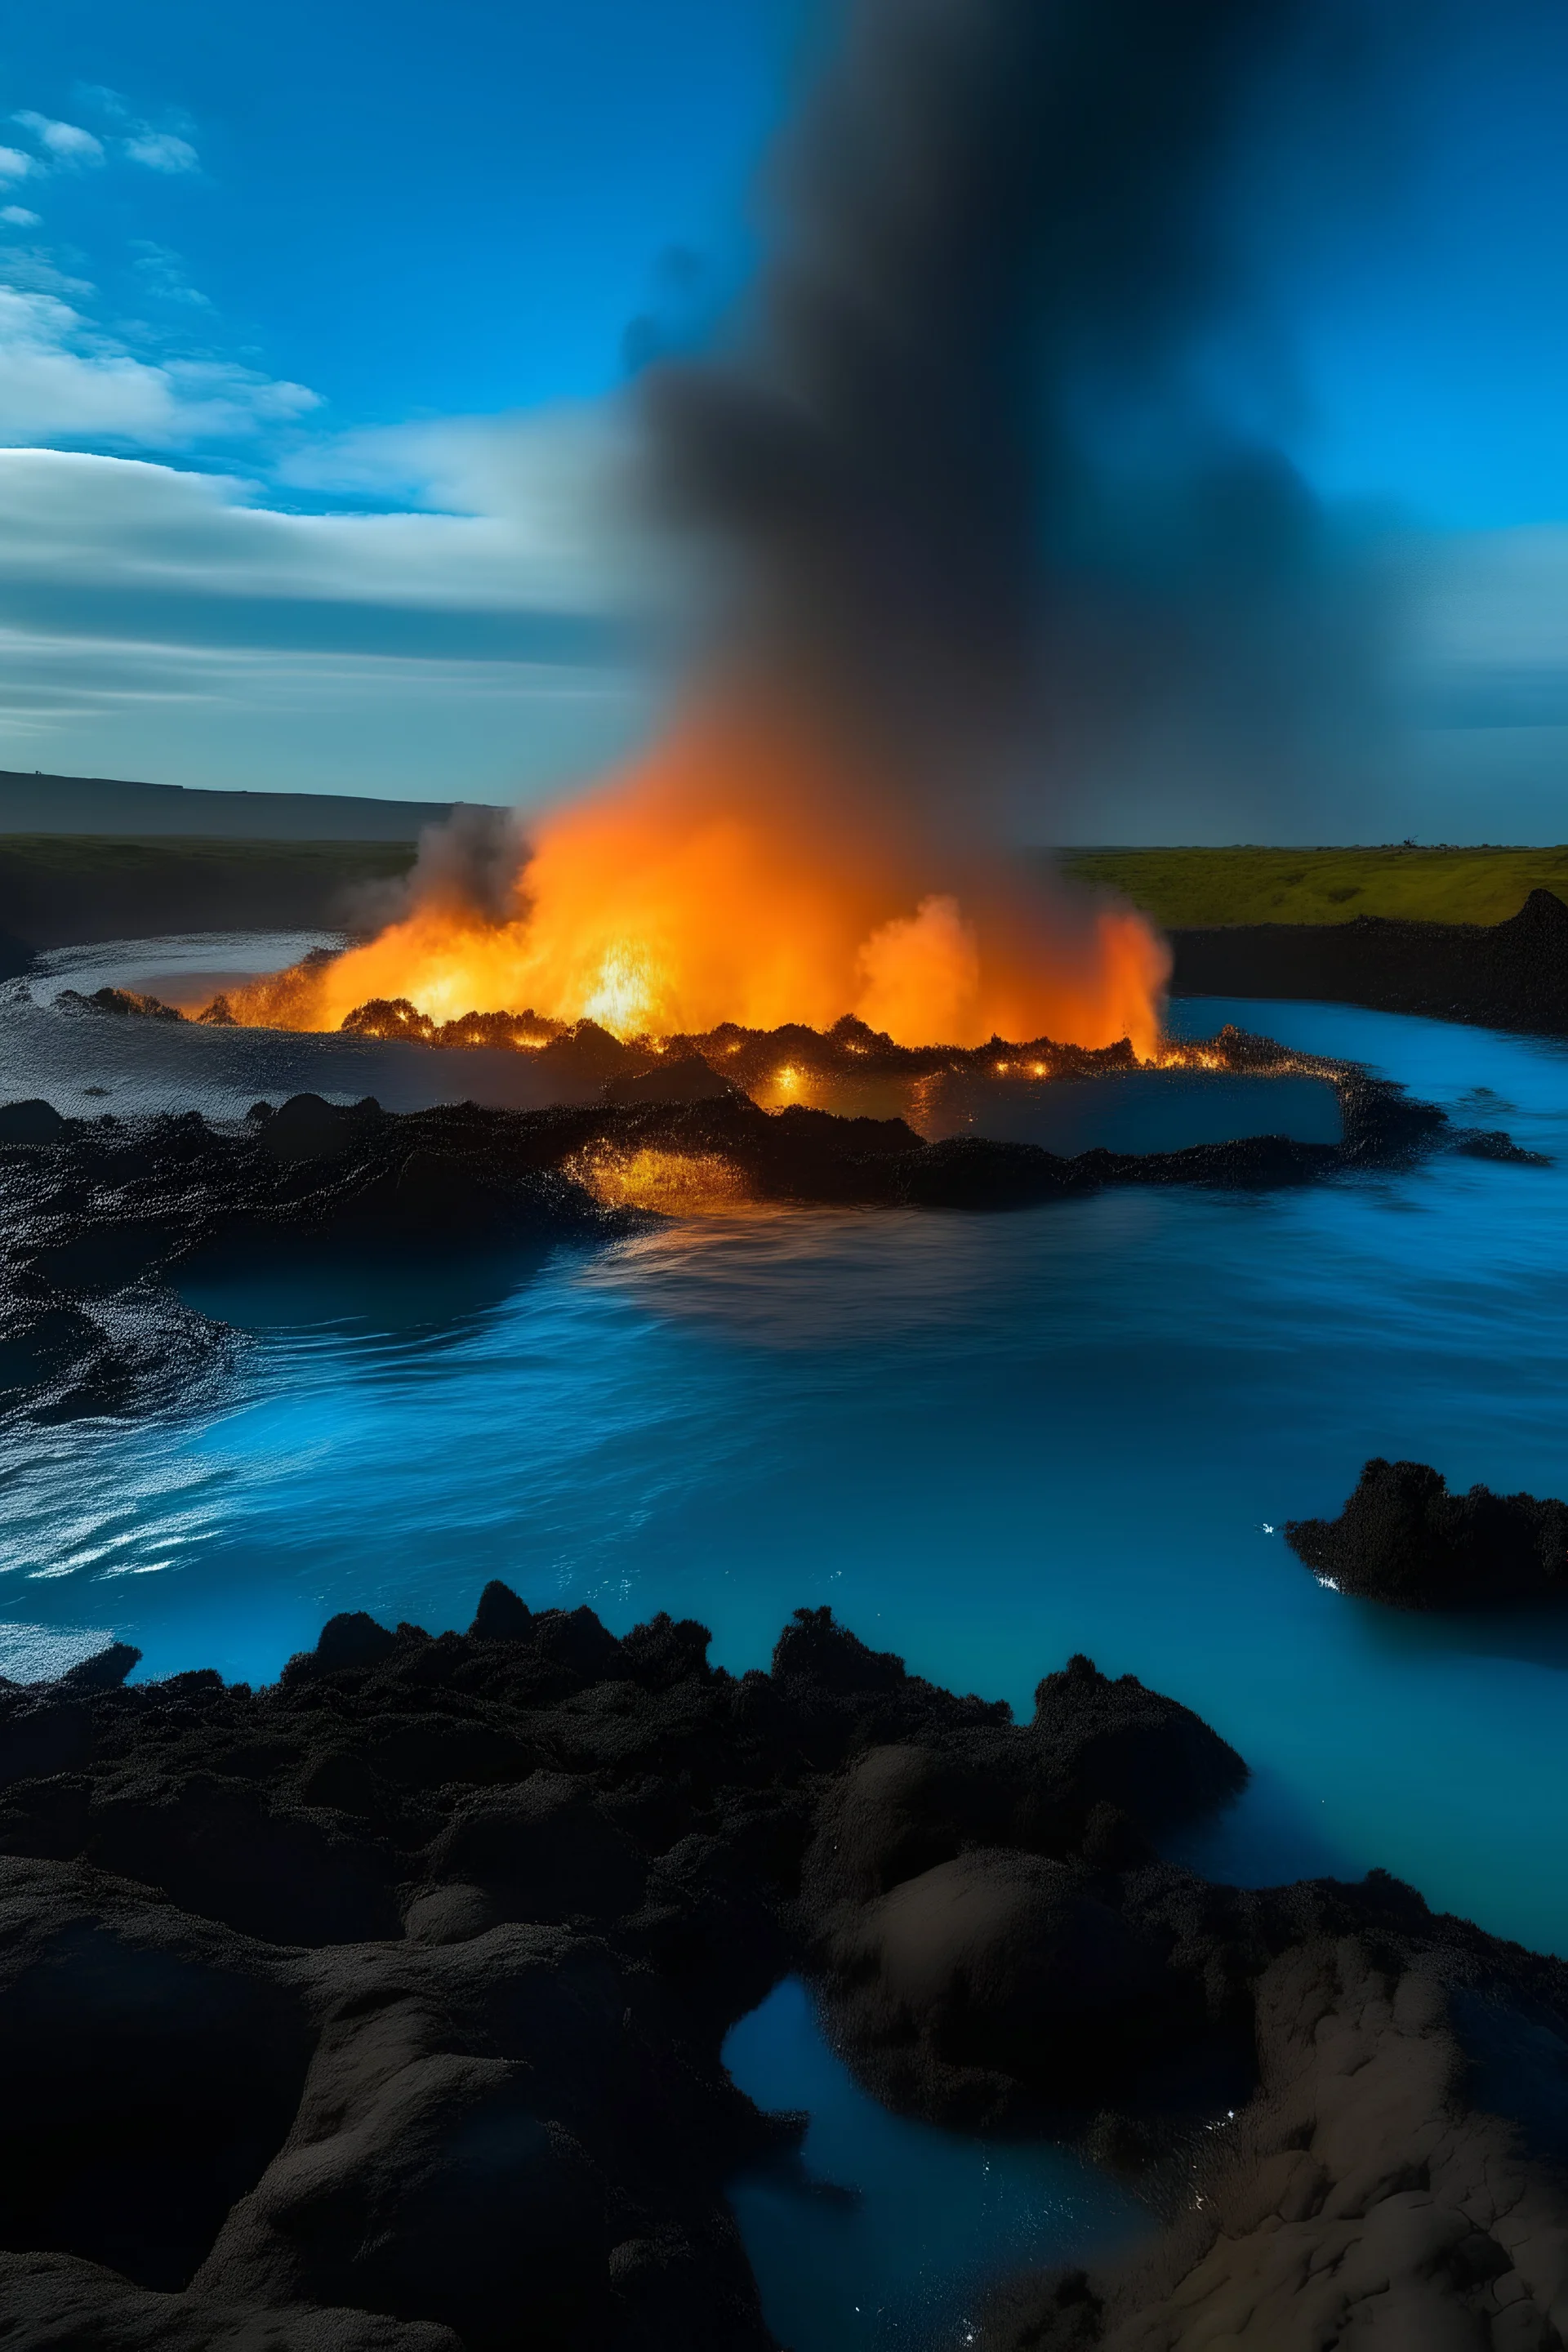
pixel 1199 888
pixel 59 888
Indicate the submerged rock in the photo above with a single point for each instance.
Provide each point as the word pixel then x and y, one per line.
pixel 1404 1538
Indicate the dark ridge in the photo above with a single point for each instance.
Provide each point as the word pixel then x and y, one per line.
pixel 380 2009
pixel 1508 975
pixel 1404 1538
pixel 123 1001
pixel 32 804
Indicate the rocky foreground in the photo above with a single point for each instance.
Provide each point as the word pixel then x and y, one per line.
pixel 97 1216
pixel 381 2010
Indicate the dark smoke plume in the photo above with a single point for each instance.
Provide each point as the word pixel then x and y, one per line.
pixel 958 467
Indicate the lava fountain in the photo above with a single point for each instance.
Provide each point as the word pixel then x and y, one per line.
pixel 738 875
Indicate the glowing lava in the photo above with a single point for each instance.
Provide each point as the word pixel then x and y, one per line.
pixel 738 875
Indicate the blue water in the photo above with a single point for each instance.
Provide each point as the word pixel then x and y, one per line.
pixel 922 2221
pixel 987 1441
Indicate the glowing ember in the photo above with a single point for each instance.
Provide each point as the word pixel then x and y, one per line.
pixel 721 881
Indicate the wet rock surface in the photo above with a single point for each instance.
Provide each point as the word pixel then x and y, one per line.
pixel 1509 975
pixel 1403 1537
pixel 96 1216
pixel 381 2010
pixel 1363 2198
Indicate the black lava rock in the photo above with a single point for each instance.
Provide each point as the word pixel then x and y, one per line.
pixel 96 1216
pixel 380 2011
pixel 1404 1538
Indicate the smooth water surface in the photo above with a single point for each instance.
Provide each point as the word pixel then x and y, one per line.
pixel 988 1440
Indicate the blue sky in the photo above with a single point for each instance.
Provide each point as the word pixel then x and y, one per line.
pixel 311 318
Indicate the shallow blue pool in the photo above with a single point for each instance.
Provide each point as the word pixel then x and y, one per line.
pixel 987 1441
pixel 883 2235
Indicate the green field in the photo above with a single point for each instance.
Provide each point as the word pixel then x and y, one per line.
pixel 57 888
pixel 1203 888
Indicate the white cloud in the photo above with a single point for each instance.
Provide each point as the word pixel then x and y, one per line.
pixel 264 720
pixel 115 524
pixel 67 142
pixel 158 621
pixel 560 483
pixel 14 164
pixel 62 380
pixel 160 150
pixel 19 216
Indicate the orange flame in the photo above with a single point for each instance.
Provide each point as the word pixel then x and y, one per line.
pixel 738 875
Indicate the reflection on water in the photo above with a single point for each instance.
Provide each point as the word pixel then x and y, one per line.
pixel 987 1441
pixel 1138 1110
pixel 883 2234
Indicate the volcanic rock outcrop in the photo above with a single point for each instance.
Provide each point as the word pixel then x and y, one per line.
pixel 381 2010
pixel 125 1003
pixel 1404 1538
pixel 1364 2198
pixel 396 1991
pixel 96 1214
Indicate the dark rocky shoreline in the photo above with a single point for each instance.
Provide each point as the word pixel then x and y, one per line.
pixel 380 2010
pixel 1404 1539
pixel 96 1216
pixel 1508 975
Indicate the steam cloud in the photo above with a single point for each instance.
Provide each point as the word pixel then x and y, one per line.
pixel 961 474
pixel 467 865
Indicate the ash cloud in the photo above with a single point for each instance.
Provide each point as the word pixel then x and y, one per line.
pixel 959 468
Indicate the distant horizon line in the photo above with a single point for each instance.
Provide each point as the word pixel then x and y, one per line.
pixel 368 806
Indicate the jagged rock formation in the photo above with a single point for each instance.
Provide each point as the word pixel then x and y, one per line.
pixel 396 1991
pixel 1404 1538
pixel 380 2011
pixel 1510 975
pixel 1364 2198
